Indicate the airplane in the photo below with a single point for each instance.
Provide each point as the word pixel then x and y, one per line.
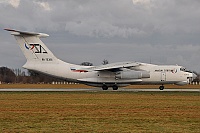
pixel 120 74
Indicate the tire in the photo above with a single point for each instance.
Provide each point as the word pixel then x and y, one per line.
pixel 104 87
pixel 115 87
pixel 161 87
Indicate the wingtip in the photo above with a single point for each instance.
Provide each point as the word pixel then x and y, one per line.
pixel 8 29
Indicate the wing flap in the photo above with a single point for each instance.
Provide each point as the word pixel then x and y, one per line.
pixel 114 66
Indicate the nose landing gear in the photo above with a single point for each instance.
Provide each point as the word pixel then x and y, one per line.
pixel 161 87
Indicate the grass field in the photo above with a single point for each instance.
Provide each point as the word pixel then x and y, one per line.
pixel 99 112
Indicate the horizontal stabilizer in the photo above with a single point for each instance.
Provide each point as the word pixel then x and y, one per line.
pixel 18 33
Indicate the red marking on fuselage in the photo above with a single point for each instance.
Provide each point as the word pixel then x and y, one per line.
pixel 79 71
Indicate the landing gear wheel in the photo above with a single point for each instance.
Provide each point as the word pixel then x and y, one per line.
pixel 115 87
pixel 161 87
pixel 104 87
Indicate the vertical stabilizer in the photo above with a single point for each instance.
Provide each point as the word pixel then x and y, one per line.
pixel 32 47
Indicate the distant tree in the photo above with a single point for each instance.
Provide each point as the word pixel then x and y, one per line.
pixel 86 64
pixel 7 75
pixel 32 73
pixel 105 62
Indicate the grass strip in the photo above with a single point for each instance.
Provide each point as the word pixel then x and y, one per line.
pixel 99 112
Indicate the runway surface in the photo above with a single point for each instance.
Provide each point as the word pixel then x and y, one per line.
pixel 98 89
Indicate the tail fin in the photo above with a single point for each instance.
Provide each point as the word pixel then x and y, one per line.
pixel 32 47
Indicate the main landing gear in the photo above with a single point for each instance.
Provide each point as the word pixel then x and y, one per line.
pixel 105 87
pixel 161 87
pixel 115 87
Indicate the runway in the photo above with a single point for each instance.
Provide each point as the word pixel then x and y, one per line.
pixel 98 90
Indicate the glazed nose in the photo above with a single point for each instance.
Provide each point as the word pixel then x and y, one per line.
pixel 194 75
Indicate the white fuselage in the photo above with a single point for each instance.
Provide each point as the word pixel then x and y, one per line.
pixel 159 74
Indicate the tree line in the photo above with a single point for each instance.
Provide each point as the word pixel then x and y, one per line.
pixel 18 76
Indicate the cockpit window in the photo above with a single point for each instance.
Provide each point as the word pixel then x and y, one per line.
pixel 185 70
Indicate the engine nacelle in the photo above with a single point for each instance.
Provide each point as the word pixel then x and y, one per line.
pixel 133 75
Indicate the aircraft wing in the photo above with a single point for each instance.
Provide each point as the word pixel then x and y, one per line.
pixel 114 67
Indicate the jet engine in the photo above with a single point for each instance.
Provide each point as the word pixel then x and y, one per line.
pixel 132 75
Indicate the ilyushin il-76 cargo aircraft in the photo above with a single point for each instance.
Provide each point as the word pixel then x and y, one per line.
pixel 121 74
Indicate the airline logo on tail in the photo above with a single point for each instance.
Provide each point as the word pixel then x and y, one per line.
pixel 37 48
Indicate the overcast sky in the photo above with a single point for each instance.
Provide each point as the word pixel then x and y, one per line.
pixel 160 31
